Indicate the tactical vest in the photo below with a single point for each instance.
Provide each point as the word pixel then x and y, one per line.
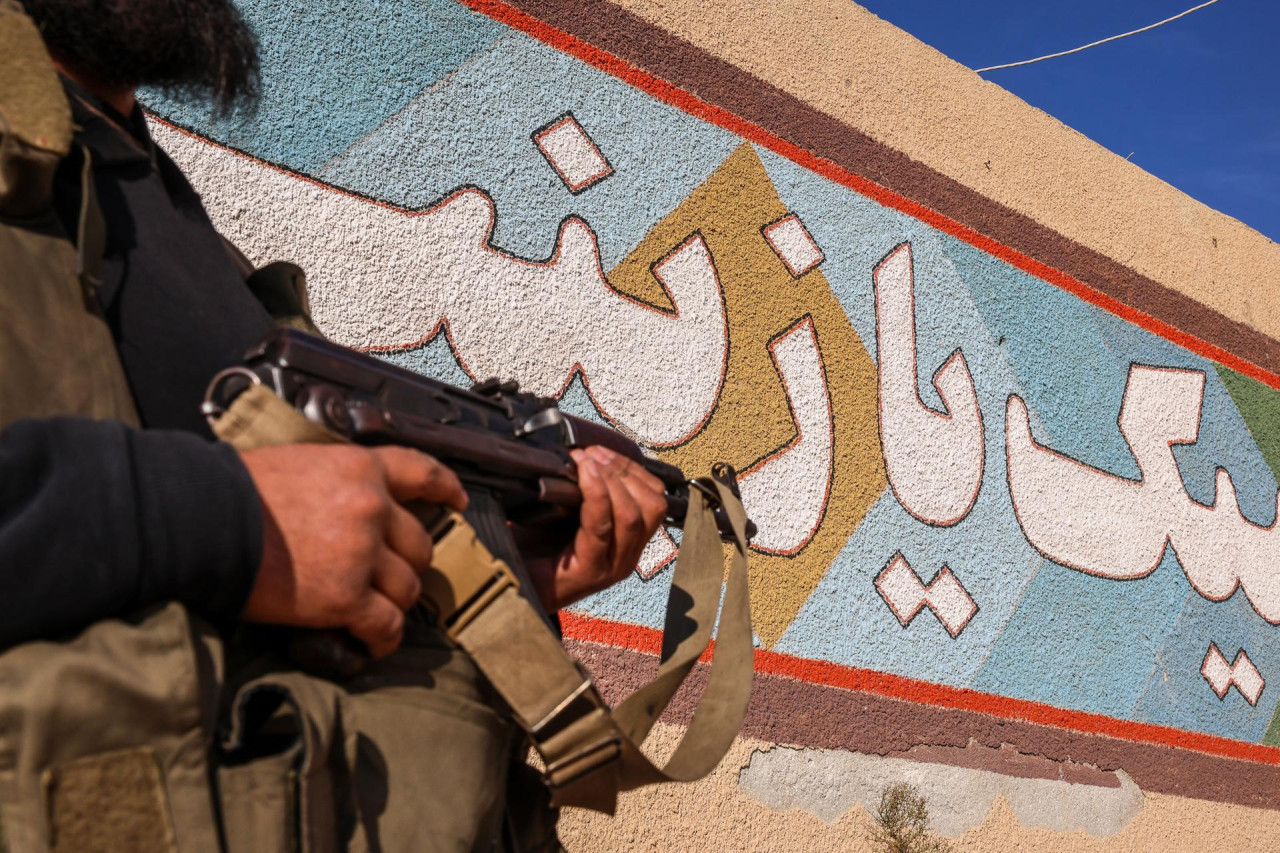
pixel 152 733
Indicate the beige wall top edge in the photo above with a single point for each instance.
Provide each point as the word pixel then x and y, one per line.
pixel 911 97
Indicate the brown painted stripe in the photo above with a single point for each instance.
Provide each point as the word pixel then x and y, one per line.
pixel 797 713
pixel 721 84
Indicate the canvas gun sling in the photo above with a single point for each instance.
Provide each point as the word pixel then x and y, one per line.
pixel 590 753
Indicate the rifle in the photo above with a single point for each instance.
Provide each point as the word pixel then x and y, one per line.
pixel 509 448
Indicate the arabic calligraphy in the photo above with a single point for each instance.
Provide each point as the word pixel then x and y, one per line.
pixel 385 278
pixel 786 493
pixel 934 460
pixel 1106 525
pixel 544 322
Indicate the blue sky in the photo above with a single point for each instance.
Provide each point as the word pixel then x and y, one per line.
pixel 1196 101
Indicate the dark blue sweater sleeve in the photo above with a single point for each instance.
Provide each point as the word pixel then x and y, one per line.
pixel 98 520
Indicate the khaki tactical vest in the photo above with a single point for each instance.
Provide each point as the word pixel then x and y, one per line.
pixel 151 733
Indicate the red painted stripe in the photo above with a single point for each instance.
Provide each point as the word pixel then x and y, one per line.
pixel 639 638
pixel 695 106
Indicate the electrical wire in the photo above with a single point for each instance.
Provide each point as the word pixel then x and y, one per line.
pixel 1096 43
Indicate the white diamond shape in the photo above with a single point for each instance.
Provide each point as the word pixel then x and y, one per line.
pixel 1242 674
pixel 950 602
pixel 793 244
pixel 902 589
pixel 572 153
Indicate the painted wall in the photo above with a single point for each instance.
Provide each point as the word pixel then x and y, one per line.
pixel 1004 404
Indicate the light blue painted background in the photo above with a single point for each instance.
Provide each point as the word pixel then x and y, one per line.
pixel 417 100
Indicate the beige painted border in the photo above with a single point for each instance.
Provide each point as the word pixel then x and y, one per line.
pixel 844 61
pixel 718 814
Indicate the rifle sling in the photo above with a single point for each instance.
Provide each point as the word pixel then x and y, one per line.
pixel 590 753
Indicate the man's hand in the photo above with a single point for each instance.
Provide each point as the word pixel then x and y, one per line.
pixel 622 505
pixel 339 550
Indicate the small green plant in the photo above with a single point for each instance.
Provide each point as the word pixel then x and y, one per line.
pixel 902 823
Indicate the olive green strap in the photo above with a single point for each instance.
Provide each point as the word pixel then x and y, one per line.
pixel 590 753
pixel 91 233
pixel 719 715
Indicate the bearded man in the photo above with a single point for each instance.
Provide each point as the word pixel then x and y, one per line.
pixel 104 524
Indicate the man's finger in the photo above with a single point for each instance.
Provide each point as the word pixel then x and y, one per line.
pixel 407 538
pixel 628 523
pixel 378 623
pixel 626 468
pixel 595 520
pixel 396 579
pixel 653 506
pixel 416 476
pixel 642 488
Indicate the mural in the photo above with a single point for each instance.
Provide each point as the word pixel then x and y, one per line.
pixel 964 476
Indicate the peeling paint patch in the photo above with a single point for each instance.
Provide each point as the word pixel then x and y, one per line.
pixel 829 782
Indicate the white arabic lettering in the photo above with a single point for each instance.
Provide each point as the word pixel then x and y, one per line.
pixel 1106 525
pixel 933 460
pixel 786 493
pixel 385 278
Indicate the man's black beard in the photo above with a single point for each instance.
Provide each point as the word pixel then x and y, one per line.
pixel 187 47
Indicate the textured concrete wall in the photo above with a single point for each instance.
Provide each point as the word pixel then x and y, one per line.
pixel 1003 403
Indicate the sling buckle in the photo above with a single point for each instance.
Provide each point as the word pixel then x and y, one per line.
pixel 575 718
pixel 578 704
pixel 464 577
pixel 551 722
pixel 583 761
pixel 495 585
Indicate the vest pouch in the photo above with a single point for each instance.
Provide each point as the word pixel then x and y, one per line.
pixel 56 350
pixel 57 356
pixel 426 751
pixel 407 756
pixel 104 738
pixel 431 753
pixel 283 767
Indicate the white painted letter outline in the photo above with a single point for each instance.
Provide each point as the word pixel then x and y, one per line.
pixel 793 244
pixel 906 595
pixel 572 153
pixel 933 460
pixel 1106 525
pixel 386 278
pixel 786 493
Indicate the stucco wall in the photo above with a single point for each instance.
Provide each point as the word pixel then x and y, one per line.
pixel 1003 402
